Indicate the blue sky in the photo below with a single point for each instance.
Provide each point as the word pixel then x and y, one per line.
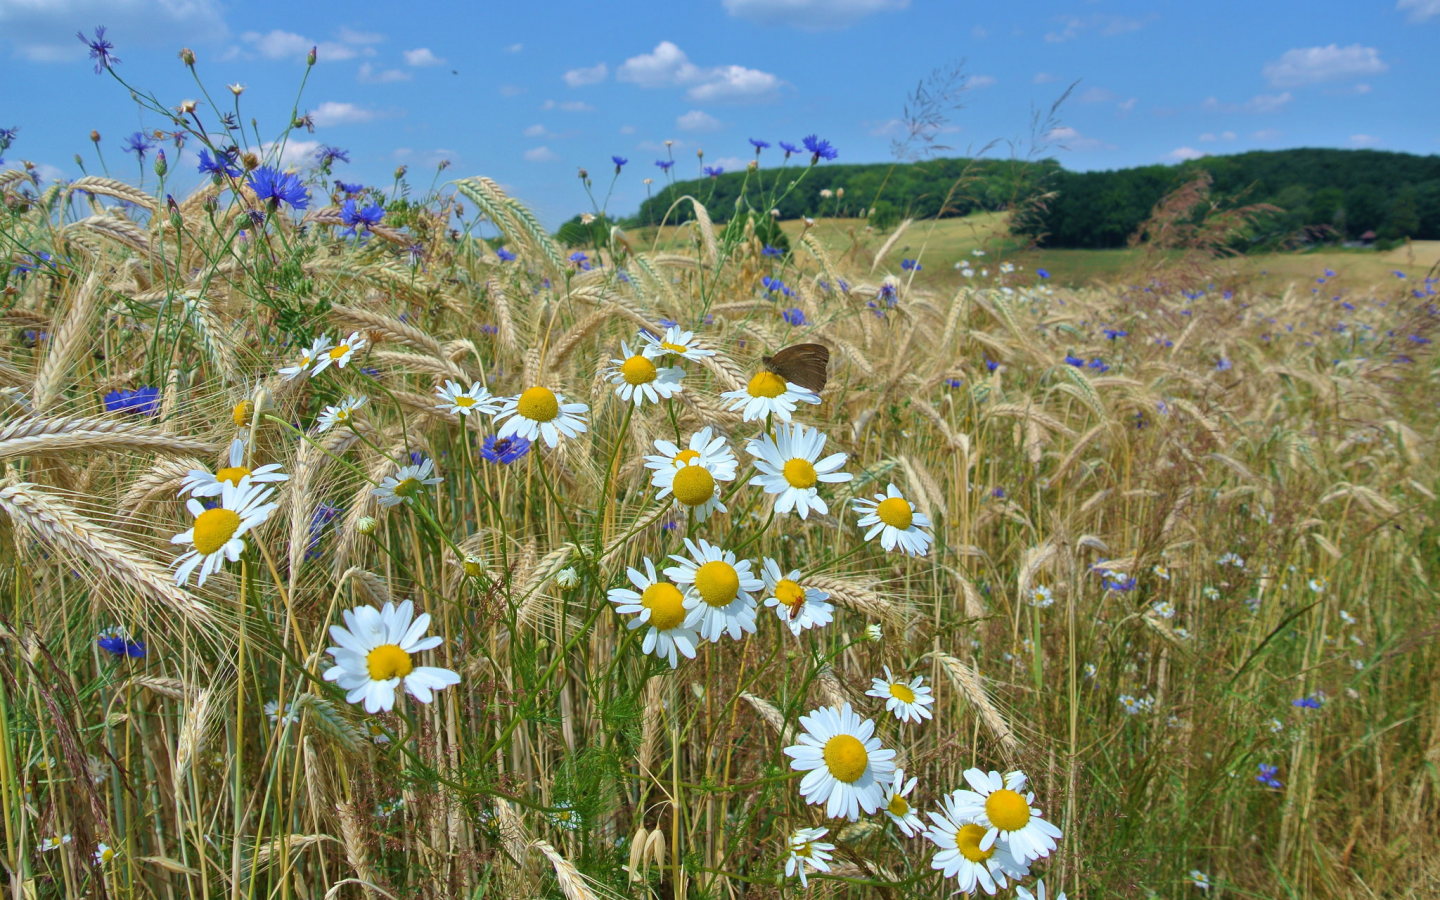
pixel 528 92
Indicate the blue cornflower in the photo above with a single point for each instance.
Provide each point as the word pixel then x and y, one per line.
pixel 1397 273
pixel 665 164
pixel 580 260
pixel 1113 333
pixel 819 149
pixel 327 155
pixel 1118 583
pixel 771 284
pixel 218 167
pixel 1099 366
pixel 953 382
pixel 1417 339
pixel 142 402
pixel 998 493
pixel 273 186
pixel 349 188
pixel 714 171
pixel 324 514
pixel 669 525
pixel 668 323
pixel 619 162
pixel 505 255
pixel 138 144
pixel 1329 273
pixel 117 642
pixel 772 251
pixel 1267 776
pixel 789 148
pixel 1077 362
pixel 99 49
pixel 417 457
pixel 30 263
pixel 759 145
pixel 489 329
pixel 504 450
pixel 1043 273
pixel 991 364
pixel 794 316
pixel 910 265
pixel 360 218
pixel 1311 702
pixel 1224 365
pixel 7 137
pixel 887 293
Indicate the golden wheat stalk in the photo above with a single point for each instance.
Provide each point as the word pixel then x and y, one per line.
pixel 30 436
pixel 572 883
pixel 972 687
pixel 772 716
pixel 70 340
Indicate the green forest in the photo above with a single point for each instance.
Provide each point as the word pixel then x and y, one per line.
pixel 1324 195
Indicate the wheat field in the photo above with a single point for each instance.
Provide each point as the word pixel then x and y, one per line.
pixel 1168 552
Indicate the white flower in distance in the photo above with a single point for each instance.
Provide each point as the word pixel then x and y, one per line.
pixel 790 466
pixel 674 342
pixel 895 520
pixel 1039 894
pixel 200 483
pixel 541 412
pixel 908 701
pixel 899 809
pixel 341 413
pixel 218 534
pixel 848 770
pixel 997 804
pixel 406 483
pixel 718 593
pixel 339 355
pixel 318 348
pixel 711 452
pixel 636 378
pixel 798 606
pixel 460 401
pixel 660 605
pixel 769 394
pixel 806 849
pixel 961 856
pixel 376 655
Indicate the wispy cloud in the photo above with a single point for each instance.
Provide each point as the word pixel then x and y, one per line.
pixel 540 154
pixel 696 120
pixel 669 66
pixel 1042 78
pixel 1313 65
pixel 278 44
pixel 369 75
pixel 1420 10
pixel 568 106
pixel 1210 137
pixel 1180 154
pixel 590 75
pixel 1267 134
pixel 1260 103
pixel 1067 138
pixel 421 56
pixel 1071 27
pixel 333 113
pixel 810 15
pixel 1364 140
pixel 976 82
pixel 514 48
pixel 44 30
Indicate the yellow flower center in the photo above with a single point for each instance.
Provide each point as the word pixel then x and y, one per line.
pixel 895 512
pixel 464 401
pixel 666 605
pixel 694 485
pixel 408 487
pixel 898 806
pixel 474 566
pixel 214 528
pixel 789 594
pixel 340 351
pixel 683 458
pixel 766 384
pixel 638 370
pixel 800 474
pixel 1007 810
pixel 538 404
pixel 388 661
pixel 967 841
pixel 902 692
pixel 675 348
pixel 106 855
pixel 718 583
pixel 232 474
pixel 343 414
pixel 242 413
pixel 846 758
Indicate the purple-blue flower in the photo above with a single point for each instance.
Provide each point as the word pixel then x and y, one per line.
pixel 1224 365
pixel 276 187
pixel 665 163
pixel 138 144
pixel 1113 333
pixel 1073 360
pixel 218 167
pixel 910 265
pixel 99 49
pixel 1312 702
pixel 991 364
pixel 117 642
pixel 504 450
pixel 324 514
pixel 505 255
pixel 772 251
pixel 349 188
pixel 953 382
pixel 759 145
pixel 327 155
pixel 360 218
pixel 619 162
pixel 142 402
pixel 819 149
pixel 793 316
pixel 1043 273
pixel 788 148
pixel 1267 776
pixel 580 260
pixel 1397 273
pixel 714 171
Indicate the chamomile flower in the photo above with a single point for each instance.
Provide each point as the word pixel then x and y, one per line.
pixel 899 809
pixel 848 769
pixel 218 534
pixel 696 490
pixel 1200 879
pixel 339 355
pixel 718 590
pixel 376 655
pixel 1039 894
pixel 636 378
pixel 767 394
pixel 997 804
pixel 674 342
pixel 712 452
pixel 279 719
pixel 54 843
pixel 806 849
pixel 790 466
pixel 798 606
pixel 200 483
pixel 318 348
pixel 342 413
pixel 961 855
pixel 895 520
pixel 661 605
pixel 103 854
pixel 908 701
pixel 406 483
pixel 540 411
pixel 460 401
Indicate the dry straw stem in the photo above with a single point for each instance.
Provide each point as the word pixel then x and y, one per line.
pixel 972 687
pixel 27 437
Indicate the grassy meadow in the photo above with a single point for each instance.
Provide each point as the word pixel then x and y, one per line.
pixel 1171 556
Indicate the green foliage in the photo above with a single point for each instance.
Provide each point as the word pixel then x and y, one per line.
pixel 575 233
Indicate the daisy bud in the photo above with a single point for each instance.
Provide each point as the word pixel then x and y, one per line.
pixel 187 56
pixel 700 152
pixel 874 633
pixel 649 181
pixel 188 106
pixel 669 143
pixel 474 566
pixel 367 525
pixel 95 136
pixel 567 579
pixel 237 89
pixel 839 192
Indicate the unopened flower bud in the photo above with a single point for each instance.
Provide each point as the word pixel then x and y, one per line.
pixel 161 167
pixel 584 175
pixel 78 160
pixel 95 136
pixel 567 579
pixel 367 525
pixel 669 143
pixel 700 152
pixel 310 60
pixel 187 56
pixel 243 412
pixel 753 164
pixel 250 161
pixel 474 566
pixel 839 192
pixel 400 172
pixel 873 633
pixel 237 88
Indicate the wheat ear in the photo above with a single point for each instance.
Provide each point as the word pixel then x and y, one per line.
pixel 970 685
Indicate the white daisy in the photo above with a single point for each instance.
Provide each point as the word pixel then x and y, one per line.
pixel 103 854
pixel 462 402
pixel 907 701
pixel 53 843
pixel 341 413
pixel 894 518
pixel 339 355
pixel 272 711
pixel 997 804
pixel 806 849
pixel 848 770
pixel 961 855
pixel 661 605
pixel 1200 879
pixel 718 592
pixel 406 483
pixel 899 809
pixel 790 466
pixel 695 490
pixel 636 378
pixel 674 341
pixel 712 452
pixel 376 655
pixel 200 483
pixel 317 348
pixel 217 534
pixel 541 411
pixel 768 393
pixel 796 605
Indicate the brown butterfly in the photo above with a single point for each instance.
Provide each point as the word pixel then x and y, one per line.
pixel 802 364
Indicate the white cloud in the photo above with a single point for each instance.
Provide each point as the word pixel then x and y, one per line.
pixel 1353 90
pixel 668 66
pixel 1363 140
pixel 368 75
pixel 540 154
pixel 1312 65
pixel 44 30
pixel 1097 95
pixel 1268 103
pixel 810 15
pixel 1209 137
pixel 1067 138
pixel 1042 78
pixel 887 127
pixel 1267 134
pixel 568 106
pixel 1127 105
pixel 295 154
pixel 979 81
pixel 279 44
pixel 592 75
pixel 627 129
pixel 333 113
pixel 511 90
pixel 535 131
pixel 1180 154
pixel 695 120
pixel 514 48
pixel 351 36
pixel 728 163
pixel 1227 135
pixel 1108 26
pixel 979 32
pixel 1420 10
pixel 421 56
